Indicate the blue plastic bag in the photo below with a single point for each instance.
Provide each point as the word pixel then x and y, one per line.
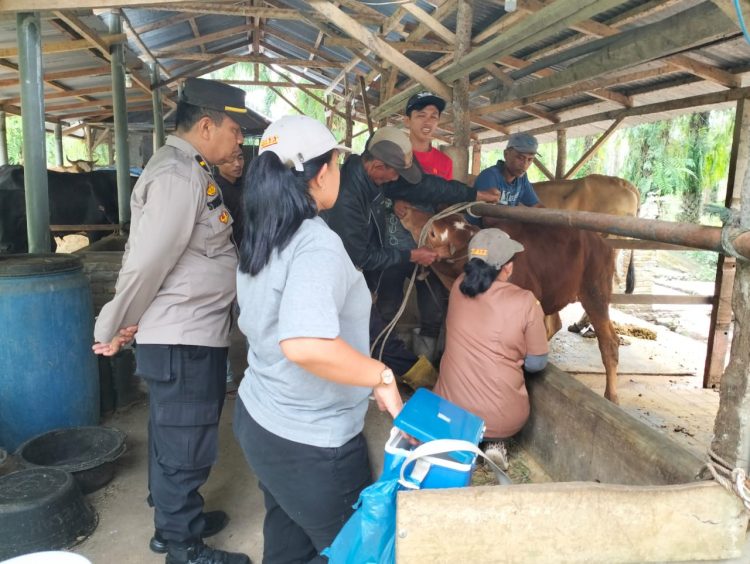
pixel 368 537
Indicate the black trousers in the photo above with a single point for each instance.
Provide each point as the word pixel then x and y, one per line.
pixel 186 394
pixel 432 297
pixel 308 491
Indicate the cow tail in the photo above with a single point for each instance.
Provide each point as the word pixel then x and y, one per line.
pixel 630 276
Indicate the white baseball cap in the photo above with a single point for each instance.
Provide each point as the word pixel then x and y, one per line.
pixel 298 139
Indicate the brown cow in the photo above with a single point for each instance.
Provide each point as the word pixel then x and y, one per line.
pixel 560 265
pixel 594 193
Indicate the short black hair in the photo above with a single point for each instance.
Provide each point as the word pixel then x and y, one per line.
pixel 275 202
pixel 479 277
pixel 187 115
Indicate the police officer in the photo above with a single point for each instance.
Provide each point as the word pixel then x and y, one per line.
pixel 175 289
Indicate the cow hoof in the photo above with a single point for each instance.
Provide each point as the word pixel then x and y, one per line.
pixel 575 328
pixel 612 397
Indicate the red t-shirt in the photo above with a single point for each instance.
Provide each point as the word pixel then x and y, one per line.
pixel 435 162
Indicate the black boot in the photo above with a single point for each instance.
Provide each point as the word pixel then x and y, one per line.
pixel 199 553
pixel 215 521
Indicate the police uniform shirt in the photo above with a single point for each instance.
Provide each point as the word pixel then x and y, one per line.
pixel 177 280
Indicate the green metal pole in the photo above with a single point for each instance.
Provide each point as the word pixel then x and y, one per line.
pixel 58 144
pixel 34 149
pixel 3 140
pixel 119 107
pixel 157 109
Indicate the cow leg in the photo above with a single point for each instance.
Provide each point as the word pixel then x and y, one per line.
pixel 552 323
pixel 598 310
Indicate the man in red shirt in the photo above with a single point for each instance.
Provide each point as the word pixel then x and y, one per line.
pixel 422 115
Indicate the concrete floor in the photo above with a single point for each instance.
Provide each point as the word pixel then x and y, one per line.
pixel 126 522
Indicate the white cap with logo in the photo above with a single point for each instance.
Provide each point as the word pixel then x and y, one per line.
pixel 298 139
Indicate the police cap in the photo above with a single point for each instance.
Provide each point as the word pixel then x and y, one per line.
pixel 214 95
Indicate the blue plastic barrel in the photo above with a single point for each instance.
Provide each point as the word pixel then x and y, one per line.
pixel 48 373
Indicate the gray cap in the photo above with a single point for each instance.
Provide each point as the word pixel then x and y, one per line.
pixel 493 246
pixel 523 143
pixel 393 147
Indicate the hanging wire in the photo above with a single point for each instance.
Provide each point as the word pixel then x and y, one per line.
pixel 741 20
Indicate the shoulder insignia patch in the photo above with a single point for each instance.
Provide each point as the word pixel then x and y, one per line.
pixel 203 164
pixel 224 217
pixel 211 190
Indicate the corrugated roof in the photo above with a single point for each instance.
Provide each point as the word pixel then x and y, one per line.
pixel 191 39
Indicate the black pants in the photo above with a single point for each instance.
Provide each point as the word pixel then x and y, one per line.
pixel 308 491
pixel 432 297
pixel 186 395
pixel 395 354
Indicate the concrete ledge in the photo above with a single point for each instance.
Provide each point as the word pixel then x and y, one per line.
pixel 577 435
pixel 569 523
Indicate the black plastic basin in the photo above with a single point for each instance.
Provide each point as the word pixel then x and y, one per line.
pixel 85 452
pixel 42 509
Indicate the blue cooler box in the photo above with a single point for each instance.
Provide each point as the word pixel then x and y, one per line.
pixel 427 417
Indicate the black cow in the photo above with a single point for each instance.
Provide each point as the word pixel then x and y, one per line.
pixel 74 199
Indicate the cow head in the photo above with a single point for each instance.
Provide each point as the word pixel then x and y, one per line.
pixel 448 236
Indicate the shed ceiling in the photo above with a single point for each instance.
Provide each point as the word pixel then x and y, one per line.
pixel 550 64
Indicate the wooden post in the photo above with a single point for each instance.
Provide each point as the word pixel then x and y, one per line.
pixel 731 428
pixel 562 153
pixel 387 86
pixel 365 103
pixel 461 117
pixel 476 158
pixel 721 312
pixel 110 150
pixel 3 140
pixel 58 145
pixel 349 101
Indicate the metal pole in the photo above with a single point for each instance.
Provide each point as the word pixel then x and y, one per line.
pixel 119 107
pixel 58 144
pixel 3 140
pixel 30 71
pixel 689 235
pixel 157 109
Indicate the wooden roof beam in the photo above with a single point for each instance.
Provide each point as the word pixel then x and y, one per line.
pixel 201 40
pixel 293 42
pixel 402 46
pixel 163 23
pixel 263 12
pixel 694 26
pixel 305 63
pixel 51 5
pixel 72 93
pixel 66 46
pixel 62 75
pixel 145 51
pixel 681 62
pixel 552 19
pixel 589 85
pixel 376 44
pixel 95 39
pixel 658 107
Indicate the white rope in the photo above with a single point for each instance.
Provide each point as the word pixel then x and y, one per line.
pixel 734 480
pixel 388 329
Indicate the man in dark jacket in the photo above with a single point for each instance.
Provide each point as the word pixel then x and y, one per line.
pixel 387 169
